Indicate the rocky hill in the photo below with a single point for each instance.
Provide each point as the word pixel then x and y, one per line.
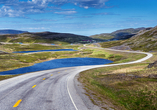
pixel 119 34
pixel 9 31
pixel 144 40
pixel 48 37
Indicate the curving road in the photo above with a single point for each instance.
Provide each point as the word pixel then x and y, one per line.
pixel 48 90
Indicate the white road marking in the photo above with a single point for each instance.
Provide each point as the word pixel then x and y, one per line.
pixel 149 55
pixel 70 94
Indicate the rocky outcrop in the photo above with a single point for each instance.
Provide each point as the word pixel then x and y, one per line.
pixel 152 64
pixel 152 76
pixel 122 47
pixel 2 52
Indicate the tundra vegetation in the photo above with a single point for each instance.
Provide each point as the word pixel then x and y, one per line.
pixel 17 60
pixel 47 37
pixel 130 87
pixel 125 87
pixel 94 77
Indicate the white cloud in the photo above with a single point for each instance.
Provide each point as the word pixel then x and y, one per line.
pixel 86 7
pixel 8 1
pixel 14 8
pixel 66 12
pixel 7 11
pixel 90 3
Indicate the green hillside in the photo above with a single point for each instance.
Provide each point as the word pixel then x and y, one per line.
pixel 47 37
pixel 104 36
pixel 119 34
pixel 145 40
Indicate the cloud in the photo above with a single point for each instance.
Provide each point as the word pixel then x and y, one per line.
pixel 105 13
pixel 7 11
pixel 8 1
pixel 19 9
pixel 47 20
pixel 66 12
pixel 82 3
pixel 90 3
pixel 15 8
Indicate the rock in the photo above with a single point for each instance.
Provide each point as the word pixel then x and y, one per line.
pixel 152 76
pixel 152 64
pixel 131 75
pixel 134 76
pixel 122 47
pixel 2 52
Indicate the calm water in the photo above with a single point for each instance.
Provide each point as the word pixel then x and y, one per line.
pixel 58 63
pixel 44 50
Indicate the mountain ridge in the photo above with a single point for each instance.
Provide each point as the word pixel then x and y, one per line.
pixel 48 37
pixel 144 40
pixel 119 34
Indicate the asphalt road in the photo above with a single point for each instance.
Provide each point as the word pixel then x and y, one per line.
pixel 47 90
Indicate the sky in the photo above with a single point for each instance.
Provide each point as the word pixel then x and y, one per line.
pixel 83 17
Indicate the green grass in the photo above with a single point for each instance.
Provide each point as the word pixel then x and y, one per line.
pixel 112 43
pixel 123 91
pixel 29 47
pixel 7 76
pixel 13 61
pixel 103 37
pixel 127 86
pixel 143 42
pixel 17 60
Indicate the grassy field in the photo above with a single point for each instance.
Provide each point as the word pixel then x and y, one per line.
pixel 29 47
pixel 112 43
pixel 17 60
pixel 127 87
pixel 104 37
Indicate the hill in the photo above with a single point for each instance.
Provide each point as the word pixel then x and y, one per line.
pixel 9 31
pixel 48 37
pixel 119 34
pixel 144 40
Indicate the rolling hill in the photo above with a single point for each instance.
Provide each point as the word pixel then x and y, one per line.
pixel 48 37
pixel 119 34
pixel 144 40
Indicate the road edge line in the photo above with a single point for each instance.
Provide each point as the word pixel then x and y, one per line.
pixel 70 94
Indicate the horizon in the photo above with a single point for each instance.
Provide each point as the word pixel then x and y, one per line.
pixel 80 17
pixel 72 33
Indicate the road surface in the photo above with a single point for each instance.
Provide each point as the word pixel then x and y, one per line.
pixel 48 90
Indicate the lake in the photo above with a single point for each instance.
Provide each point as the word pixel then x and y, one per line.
pixel 58 63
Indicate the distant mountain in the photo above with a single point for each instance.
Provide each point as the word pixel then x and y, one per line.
pixel 9 31
pixel 119 34
pixel 48 37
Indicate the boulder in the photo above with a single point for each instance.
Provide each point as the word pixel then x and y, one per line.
pixel 152 76
pixel 152 64
pixel 2 52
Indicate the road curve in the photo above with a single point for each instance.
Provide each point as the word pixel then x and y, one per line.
pixel 48 90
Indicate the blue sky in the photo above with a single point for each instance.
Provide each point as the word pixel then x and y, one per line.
pixel 84 17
